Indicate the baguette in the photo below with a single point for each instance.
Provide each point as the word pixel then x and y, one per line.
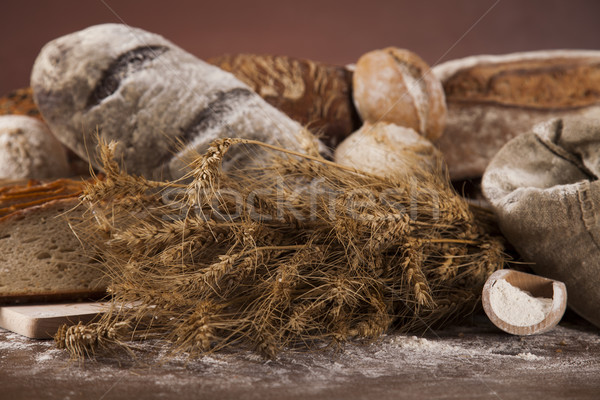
pixel 492 99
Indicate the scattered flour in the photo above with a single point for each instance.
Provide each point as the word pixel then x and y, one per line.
pixel 213 361
pixel 49 355
pixel 517 307
pixel 529 357
pixel 13 342
pixel 393 359
pixel 416 343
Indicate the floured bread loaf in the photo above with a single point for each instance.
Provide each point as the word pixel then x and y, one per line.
pixel 140 89
pixel 42 259
pixel 29 150
pixel 492 99
pixel 316 95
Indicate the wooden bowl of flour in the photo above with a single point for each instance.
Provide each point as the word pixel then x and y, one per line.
pixel 523 304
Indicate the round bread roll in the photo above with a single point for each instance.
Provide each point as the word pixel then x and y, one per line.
pixel 397 86
pixel 388 150
pixel 161 104
pixel 29 151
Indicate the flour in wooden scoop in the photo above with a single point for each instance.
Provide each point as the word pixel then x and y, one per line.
pixel 517 307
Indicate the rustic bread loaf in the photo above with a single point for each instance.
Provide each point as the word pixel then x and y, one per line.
pixel 141 90
pixel 316 95
pixel 42 259
pixel 492 99
pixel 29 150
pixel 19 102
pixel 396 85
pixel 387 150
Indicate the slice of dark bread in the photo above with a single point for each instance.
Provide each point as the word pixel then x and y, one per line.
pixel 41 259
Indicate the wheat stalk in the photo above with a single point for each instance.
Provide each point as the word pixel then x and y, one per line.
pixel 321 253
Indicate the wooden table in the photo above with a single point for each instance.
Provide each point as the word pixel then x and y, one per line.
pixel 463 362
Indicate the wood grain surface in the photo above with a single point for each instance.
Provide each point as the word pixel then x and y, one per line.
pixel 472 361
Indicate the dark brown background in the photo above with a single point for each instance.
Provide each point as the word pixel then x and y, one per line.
pixel 332 31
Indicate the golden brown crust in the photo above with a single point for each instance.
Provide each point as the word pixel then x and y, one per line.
pixel 47 297
pixel 316 95
pixel 558 83
pixel 18 197
pixel 19 102
pixel 21 212
pixel 397 86
pixel 494 98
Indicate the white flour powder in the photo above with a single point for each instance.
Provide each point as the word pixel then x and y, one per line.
pixel 517 307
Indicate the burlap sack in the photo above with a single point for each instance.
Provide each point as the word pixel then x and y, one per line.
pixel 544 187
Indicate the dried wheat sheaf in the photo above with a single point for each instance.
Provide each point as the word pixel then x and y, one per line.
pixel 300 252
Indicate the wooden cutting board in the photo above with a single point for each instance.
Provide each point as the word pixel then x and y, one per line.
pixel 42 321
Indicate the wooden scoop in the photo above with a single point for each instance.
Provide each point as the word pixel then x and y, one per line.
pixel 537 286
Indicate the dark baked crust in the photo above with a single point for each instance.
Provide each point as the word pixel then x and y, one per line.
pixel 558 83
pixel 19 102
pixel 15 196
pixel 316 95
pixel 492 99
pixel 124 65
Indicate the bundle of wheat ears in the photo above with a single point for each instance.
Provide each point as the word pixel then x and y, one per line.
pixel 297 253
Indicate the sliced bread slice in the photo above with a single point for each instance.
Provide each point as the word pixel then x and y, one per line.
pixel 41 259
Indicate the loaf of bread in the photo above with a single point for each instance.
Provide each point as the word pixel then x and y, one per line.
pixel 388 150
pixel 492 99
pixel 397 86
pixel 29 150
pixel 160 103
pixel 316 95
pixel 19 102
pixel 40 256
